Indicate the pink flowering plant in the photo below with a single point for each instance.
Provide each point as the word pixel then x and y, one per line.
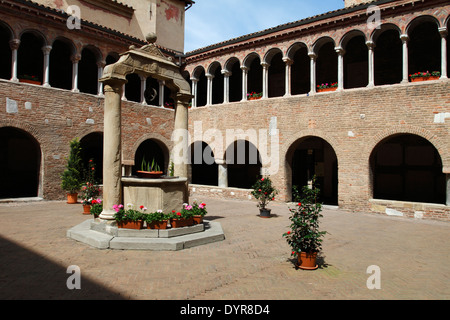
pixel 304 234
pixel 199 209
pixel 96 207
pixel 129 214
pixel 327 85
pixel 264 192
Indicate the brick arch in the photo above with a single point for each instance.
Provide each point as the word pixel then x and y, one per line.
pixel 5 25
pixel 128 153
pixel 408 129
pixel 294 47
pixel 418 20
pixel 31 130
pixel 35 32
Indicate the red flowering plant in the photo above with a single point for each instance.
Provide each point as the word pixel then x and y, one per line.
pixel 425 74
pixel 304 235
pixel 90 190
pixel 96 207
pixel 264 192
pixel 129 214
pixel 198 209
pixel 254 95
pixel 327 85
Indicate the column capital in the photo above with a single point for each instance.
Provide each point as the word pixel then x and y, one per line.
pixel 312 55
pixel 194 80
pixel 245 68
pixel 370 44
pixel 404 38
pixel 443 32
pixel 14 44
pixel 75 58
pixel 46 49
pixel 340 51
pixel 265 65
pixel 226 73
pixel 288 61
pixel 209 76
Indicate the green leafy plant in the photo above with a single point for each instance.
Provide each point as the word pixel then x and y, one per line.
pixel 425 74
pixel 327 85
pixel 171 169
pixel 155 216
pixel 90 190
pixel 96 207
pixel 264 192
pixel 147 166
pixel 199 209
pixel 254 95
pixel 72 176
pixel 304 234
pixel 123 214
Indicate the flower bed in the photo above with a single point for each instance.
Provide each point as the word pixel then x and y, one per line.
pixel 425 76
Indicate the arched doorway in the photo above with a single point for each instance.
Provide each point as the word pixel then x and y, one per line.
pixel 92 148
pixel 203 165
pixel 407 167
pixel 243 164
pixel 20 163
pixel 313 156
pixel 150 150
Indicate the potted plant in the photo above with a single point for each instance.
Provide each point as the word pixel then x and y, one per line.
pixel 304 235
pixel 150 170
pixel 156 220
pixel 183 218
pixel 254 96
pixel 72 176
pixel 424 76
pixel 264 192
pixel 199 211
pixel 30 79
pixel 96 207
pixel 90 190
pixel 128 219
pixel 327 87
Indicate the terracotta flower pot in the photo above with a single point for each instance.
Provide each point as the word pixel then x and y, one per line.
pixel 198 219
pixel 307 260
pixel 326 89
pixel 157 225
pixel 137 225
pixel 72 198
pixel 264 213
pixel 30 81
pixel 150 174
pixel 180 223
pixel 86 209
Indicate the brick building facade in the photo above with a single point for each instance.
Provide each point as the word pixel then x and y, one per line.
pixel 377 143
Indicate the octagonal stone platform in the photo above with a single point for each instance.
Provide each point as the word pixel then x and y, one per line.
pixel 108 236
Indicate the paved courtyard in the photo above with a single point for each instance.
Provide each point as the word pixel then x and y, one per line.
pixel 253 262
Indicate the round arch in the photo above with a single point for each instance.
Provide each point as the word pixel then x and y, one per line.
pixel 204 169
pixel 407 167
pixel 356 59
pixel 243 164
pixel 92 148
pixel 60 70
pixel 149 150
pixel 30 58
pixel 6 35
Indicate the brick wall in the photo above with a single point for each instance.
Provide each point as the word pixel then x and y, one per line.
pixel 352 121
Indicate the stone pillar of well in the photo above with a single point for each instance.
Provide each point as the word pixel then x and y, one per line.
pixel 112 149
pixel 180 136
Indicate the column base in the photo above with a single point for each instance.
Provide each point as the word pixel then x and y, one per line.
pixel 107 215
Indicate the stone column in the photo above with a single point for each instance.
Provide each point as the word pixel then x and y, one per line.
pixel 143 87
pixel 194 92
pixel 100 66
pixel 209 78
pixel 265 79
pixel 405 38
pixel 447 202
pixel 244 82
pixel 340 51
pixel 226 86
pixel 75 59
pixel 223 173
pixel 180 136
pixel 287 76
pixel 14 45
pixel 313 58
pixel 112 148
pixel 46 50
pixel 161 84
pixel 370 46
pixel 443 32
pixel 124 97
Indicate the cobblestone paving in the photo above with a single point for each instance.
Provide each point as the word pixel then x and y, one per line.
pixel 253 262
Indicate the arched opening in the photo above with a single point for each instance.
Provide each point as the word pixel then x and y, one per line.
pixel 151 150
pixel 356 68
pixel 88 72
pixel 387 56
pixel 112 58
pixel 243 164
pixel 152 93
pixel 313 156
pixel 424 46
pixel 30 58
pixel 204 169
pixel 254 77
pixel 326 63
pixel 300 71
pixel 60 70
pixel 235 81
pixel 5 53
pixel 202 87
pixel 217 83
pixel 407 167
pixel 92 148
pixel 277 70
pixel 133 87
pixel 20 163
